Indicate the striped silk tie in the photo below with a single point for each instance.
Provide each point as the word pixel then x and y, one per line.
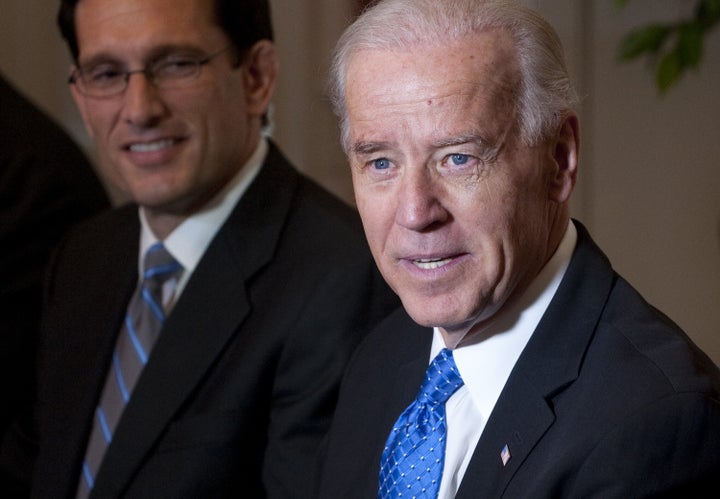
pixel 412 462
pixel 143 320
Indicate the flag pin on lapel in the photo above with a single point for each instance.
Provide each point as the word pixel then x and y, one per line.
pixel 505 455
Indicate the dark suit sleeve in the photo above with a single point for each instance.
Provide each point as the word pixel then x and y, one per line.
pixel 46 186
pixel 19 446
pixel 343 306
pixel 39 205
pixel 668 449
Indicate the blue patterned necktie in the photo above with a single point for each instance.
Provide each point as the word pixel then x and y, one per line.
pixel 143 320
pixel 412 462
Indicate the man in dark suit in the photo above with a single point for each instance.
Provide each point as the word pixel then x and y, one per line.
pixel 549 377
pixel 269 287
pixel 47 185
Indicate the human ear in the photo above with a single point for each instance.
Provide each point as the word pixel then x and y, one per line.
pixel 566 149
pixel 260 68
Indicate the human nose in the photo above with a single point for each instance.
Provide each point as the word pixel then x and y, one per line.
pixel 142 106
pixel 420 206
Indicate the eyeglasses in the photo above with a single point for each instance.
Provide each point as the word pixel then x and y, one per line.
pixel 108 79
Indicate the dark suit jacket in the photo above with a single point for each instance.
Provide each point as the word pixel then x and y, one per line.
pixel 609 399
pixel 46 186
pixel 242 382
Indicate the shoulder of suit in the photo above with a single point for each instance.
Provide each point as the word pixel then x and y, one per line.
pixel 398 336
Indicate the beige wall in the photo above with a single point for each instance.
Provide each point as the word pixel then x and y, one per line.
pixel 306 31
pixel 650 167
pixel 32 56
pixel 650 164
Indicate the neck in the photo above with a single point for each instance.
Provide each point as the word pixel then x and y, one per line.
pixel 480 329
pixel 162 224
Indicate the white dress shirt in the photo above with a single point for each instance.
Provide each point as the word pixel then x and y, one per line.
pixel 188 242
pixel 485 366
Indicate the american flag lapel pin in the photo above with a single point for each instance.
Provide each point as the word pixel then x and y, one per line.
pixel 505 455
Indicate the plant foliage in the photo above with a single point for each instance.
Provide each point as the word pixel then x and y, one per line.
pixel 676 47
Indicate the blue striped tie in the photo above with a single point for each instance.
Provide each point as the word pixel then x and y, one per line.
pixel 143 320
pixel 412 462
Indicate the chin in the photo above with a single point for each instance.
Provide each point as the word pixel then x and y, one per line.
pixel 429 316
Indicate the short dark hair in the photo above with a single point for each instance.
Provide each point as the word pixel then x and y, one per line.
pixel 243 21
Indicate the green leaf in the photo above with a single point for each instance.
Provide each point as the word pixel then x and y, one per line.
pixel 647 39
pixel 708 13
pixel 620 3
pixel 668 71
pixel 689 45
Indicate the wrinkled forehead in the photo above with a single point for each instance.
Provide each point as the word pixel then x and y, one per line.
pixel 487 59
pixel 480 67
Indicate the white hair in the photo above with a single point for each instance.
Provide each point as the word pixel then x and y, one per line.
pixel 545 93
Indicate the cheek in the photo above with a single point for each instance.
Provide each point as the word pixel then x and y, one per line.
pixel 377 219
pixel 372 223
pixel 100 122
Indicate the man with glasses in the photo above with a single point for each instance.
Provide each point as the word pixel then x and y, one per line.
pixel 193 340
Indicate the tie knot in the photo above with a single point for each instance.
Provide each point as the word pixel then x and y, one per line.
pixel 159 265
pixel 442 379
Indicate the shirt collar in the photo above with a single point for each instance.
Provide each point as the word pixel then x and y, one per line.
pixel 188 242
pixel 485 366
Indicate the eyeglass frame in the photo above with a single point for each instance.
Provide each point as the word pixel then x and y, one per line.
pixel 149 71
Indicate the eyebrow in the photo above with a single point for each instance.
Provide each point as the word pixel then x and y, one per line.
pixel 364 148
pixel 462 139
pixel 153 55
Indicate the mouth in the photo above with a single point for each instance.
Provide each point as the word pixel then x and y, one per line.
pixel 430 263
pixel 153 146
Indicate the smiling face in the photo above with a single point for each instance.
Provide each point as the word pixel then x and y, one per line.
pixel 460 216
pixel 172 149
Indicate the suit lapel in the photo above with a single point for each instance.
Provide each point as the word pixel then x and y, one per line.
pixel 205 319
pixel 550 362
pixel 517 422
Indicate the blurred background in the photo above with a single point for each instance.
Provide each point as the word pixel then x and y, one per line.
pixel 649 188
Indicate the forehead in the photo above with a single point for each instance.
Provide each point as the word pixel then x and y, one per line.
pixel 481 68
pixel 103 25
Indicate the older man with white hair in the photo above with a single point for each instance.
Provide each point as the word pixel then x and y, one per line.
pixel 549 375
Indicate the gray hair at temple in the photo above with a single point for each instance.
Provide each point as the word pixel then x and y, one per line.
pixel 546 92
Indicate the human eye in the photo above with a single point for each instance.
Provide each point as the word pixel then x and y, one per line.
pixel 175 66
pixel 462 166
pixel 381 168
pixel 380 164
pixel 374 161
pixel 103 75
pixel 375 169
pixel 459 161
